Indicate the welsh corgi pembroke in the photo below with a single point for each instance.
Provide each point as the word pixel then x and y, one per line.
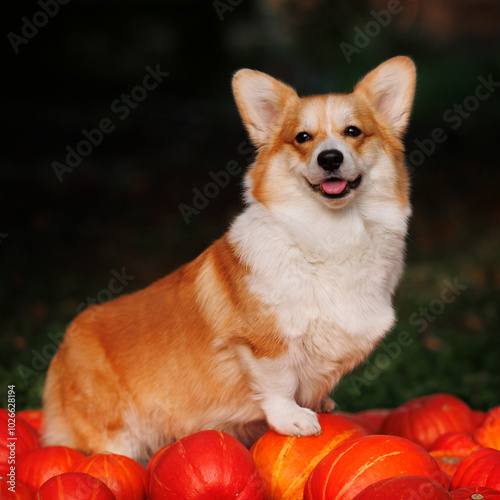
pixel 256 332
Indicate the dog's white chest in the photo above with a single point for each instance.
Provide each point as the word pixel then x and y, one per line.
pixel 325 275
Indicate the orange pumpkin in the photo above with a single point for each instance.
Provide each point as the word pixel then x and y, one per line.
pixel 456 441
pixel 480 468
pixel 125 477
pixel 17 492
pixel 475 493
pixel 285 462
pixel 206 464
pixel 424 419
pixel 74 486
pixel 154 459
pixel 17 439
pixel 404 488
pixel 478 416
pixel 488 434
pixel 43 463
pixel 355 465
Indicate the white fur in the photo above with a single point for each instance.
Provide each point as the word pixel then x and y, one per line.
pixel 329 275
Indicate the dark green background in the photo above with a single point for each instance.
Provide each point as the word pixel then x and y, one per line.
pixel 119 209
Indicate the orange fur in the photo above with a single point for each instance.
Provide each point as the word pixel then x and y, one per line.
pixel 258 329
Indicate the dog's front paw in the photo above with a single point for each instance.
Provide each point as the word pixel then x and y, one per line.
pixel 294 421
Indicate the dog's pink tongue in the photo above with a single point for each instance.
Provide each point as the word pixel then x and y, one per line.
pixel 333 187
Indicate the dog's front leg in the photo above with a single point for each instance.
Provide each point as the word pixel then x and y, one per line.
pixel 275 383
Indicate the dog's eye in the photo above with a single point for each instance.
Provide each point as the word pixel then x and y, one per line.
pixel 352 131
pixel 302 137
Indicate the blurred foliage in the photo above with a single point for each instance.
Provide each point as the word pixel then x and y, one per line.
pixel 60 241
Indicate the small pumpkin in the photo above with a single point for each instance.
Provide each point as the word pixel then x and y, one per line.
pixel 126 478
pixel 74 486
pixel 285 462
pixel 480 468
pixel 456 441
pixel 357 464
pixel 488 434
pixel 17 492
pixel 43 463
pixel 206 464
pixel 475 493
pixel 424 419
pixel 17 439
pixel 404 488
pixel 154 459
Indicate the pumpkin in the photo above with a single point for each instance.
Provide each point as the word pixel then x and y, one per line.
pixel 475 493
pixel 365 424
pixel 207 464
pixel 21 491
pixel 424 419
pixel 455 441
pixel 404 488
pixel 354 465
pixel 480 468
pixel 285 462
pixel 74 486
pixel 374 418
pixel 26 440
pixel 43 463
pixel 33 417
pixel 125 477
pixel 154 459
pixel 488 434
pixel 478 417
pixel 448 460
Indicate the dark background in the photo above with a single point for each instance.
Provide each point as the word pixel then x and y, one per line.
pixel 61 239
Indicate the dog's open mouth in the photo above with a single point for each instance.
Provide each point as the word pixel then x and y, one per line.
pixel 336 187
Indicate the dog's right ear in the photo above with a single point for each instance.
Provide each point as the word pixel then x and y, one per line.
pixel 261 101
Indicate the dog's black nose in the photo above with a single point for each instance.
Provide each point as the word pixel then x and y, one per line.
pixel 330 159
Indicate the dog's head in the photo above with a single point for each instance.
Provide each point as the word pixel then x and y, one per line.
pixel 333 146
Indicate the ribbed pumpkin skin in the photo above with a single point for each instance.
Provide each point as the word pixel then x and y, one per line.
pixel 475 493
pixel 285 462
pixel 481 468
pixel 22 492
pixel 404 488
pixel 204 466
pixel 154 459
pixel 126 478
pixel 424 419
pixel 353 466
pixel 456 441
pixel 74 486
pixel 43 463
pixel 488 434
pixel 27 439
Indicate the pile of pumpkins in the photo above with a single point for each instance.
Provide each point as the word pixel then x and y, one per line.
pixel 432 447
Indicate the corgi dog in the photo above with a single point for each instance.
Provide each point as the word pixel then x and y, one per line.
pixel 256 332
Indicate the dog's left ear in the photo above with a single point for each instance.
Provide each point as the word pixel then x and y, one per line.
pixel 390 88
pixel 261 101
